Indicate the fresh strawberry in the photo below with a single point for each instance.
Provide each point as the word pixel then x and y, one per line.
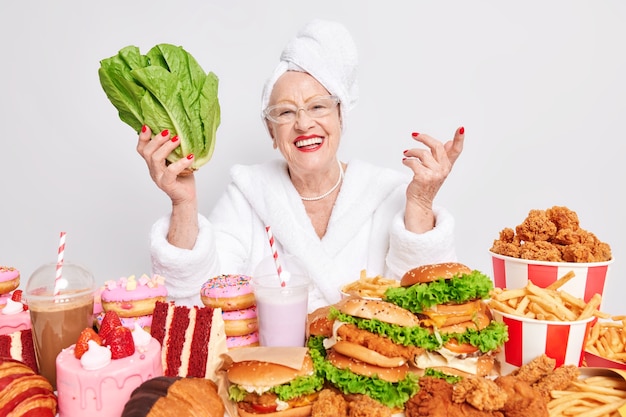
pixel 85 336
pixel 120 340
pixel 17 297
pixel 110 321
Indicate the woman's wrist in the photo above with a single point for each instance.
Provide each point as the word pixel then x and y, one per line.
pixel 184 228
pixel 418 219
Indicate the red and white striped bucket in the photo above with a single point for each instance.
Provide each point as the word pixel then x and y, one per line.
pixel 512 273
pixel 563 341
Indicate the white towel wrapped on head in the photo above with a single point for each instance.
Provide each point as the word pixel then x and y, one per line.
pixel 326 51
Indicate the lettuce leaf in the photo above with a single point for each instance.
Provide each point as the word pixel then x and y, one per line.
pixel 302 385
pixel 165 89
pixel 393 395
pixel 459 290
pixel 486 340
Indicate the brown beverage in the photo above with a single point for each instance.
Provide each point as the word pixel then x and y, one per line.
pixel 56 326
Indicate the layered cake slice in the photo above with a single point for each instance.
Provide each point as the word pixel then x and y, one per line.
pixel 192 339
pixel 19 346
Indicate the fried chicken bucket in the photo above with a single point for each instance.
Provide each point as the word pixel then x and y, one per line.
pixel 564 341
pixel 547 246
pixel 586 280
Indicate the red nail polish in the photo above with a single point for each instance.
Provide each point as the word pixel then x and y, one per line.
pixel 144 128
pixel 165 133
pixel 175 139
pixel 414 134
pixel 404 159
pixel 462 130
pixel 405 151
pixel 190 156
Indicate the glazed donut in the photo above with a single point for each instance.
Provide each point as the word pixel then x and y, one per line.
pixel 228 292
pixel 9 279
pixel 240 322
pixel 247 340
pixel 130 297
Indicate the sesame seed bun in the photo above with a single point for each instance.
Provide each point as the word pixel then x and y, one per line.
pixel 433 272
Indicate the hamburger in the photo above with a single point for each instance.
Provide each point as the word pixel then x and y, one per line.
pixel 272 390
pixel 448 298
pixel 366 347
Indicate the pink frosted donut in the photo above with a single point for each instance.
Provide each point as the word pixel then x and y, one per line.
pixel 9 279
pixel 131 297
pixel 228 292
pixel 240 322
pixel 248 340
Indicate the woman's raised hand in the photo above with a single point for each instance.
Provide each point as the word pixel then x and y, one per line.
pixel 154 150
pixel 430 166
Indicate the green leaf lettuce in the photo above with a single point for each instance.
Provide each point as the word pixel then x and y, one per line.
pixel 165 89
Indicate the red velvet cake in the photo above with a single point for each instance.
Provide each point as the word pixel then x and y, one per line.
pixel 19 346
pixel 192 339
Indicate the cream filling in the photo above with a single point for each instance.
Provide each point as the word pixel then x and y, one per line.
pixel 217 345
pixel 16 346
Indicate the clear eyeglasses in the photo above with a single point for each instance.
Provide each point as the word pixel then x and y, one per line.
pixel 315 108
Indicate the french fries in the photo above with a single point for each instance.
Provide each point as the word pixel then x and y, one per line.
pixel 589 397
pixel 370 287
pixel 608 339
pixel 550 303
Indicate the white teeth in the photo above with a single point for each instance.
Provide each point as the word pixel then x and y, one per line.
pixel 308 142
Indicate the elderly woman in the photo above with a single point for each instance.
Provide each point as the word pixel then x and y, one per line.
pixel 337 218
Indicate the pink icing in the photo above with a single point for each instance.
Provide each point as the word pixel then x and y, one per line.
pixel 103 392
pixel 7 273
pixel 4 297
pixel 246 313
pixel 143 321
pixel 238 341
pixel 226 286
pixel 122 290
pixel 14 322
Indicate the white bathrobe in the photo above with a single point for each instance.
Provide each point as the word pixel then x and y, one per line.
pixel 365 232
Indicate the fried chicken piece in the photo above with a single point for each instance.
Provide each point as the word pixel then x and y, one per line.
pixel 506 244
pixel 541 250
pixel 559 379
pixel 434 399
pixel 482 393
pixel 534 370
pixel 563 217
pixel 329 404
pixel 364 406
pixel 536 227
pixel 522 399
pixel 382 345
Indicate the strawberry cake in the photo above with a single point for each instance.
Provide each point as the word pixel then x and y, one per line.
pixel 133 299
pixel 14 315
pixel 16 339
pixel 96 376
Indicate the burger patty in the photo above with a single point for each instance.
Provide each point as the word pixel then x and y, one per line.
pixel 380 344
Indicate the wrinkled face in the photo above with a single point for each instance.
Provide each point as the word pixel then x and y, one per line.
pixel 308 143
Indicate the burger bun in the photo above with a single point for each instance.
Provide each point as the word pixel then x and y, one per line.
pixel 433 272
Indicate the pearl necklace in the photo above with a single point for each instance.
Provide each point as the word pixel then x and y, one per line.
pixel 327 193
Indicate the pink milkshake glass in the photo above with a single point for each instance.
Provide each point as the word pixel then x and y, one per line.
pixel 281 310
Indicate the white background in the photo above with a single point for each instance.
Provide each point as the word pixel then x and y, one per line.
pixel 540 87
